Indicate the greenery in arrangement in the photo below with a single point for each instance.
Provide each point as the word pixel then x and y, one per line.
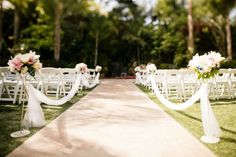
pixel 10 121
pixel 191 120
pixel 130 34
pixel 206 66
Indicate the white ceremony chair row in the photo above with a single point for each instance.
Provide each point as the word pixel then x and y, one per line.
pixel 181 84
pixel 10 85
pixel 53 82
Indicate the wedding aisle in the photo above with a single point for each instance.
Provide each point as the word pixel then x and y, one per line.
pixel 114 120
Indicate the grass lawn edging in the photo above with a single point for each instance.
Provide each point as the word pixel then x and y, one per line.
pixel 190 118
pixel 10 121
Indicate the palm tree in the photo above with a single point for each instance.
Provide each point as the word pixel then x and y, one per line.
pixel 101 28
pixel 1 25
pixel 56 9
pixel 19 5
pixel 58 14
pixel 224 8
pixel 190 28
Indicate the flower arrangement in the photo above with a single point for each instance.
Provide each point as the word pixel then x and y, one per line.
pixel 142 66
pixel 81 67
pixel 206 66
pixel 137 69
pixel 25 63
pixel 98 68
pixel 151 68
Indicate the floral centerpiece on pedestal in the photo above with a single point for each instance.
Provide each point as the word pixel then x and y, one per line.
pixel 206 66
pixel 25 63
pixel 151 68
pixel 137 69
pixel 98 68
pixel 81 67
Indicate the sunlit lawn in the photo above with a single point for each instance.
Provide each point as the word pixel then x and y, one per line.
pixel 10 122
pixel 225 111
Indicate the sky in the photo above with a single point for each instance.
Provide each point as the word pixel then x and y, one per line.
pixel 107 5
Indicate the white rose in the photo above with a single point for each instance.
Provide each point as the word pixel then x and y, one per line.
pixel 98 68
pixel 37 65
pixel 151 67
pixel 24 70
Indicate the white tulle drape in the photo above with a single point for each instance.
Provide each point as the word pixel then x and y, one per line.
pixel 34 116
pixel 209 122
pixel 210 125
pixel 168 103
pixel 139 79
pixel 96 81
pixel 86 83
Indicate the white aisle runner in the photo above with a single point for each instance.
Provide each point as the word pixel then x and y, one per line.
pixel 114 120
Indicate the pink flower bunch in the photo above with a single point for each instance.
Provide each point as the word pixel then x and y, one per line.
pixel 25 63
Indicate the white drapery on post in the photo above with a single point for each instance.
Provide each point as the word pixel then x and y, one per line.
pixel 85 81
pixel 210 125
pixel 139 79
pixel 96 81
pixel 34 116
pixel 209 122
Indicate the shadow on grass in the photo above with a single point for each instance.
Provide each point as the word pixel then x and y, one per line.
pixel 230 140
pixel 10 121
pixel 199 120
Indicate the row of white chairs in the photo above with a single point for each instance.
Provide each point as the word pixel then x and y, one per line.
pixel 54 82
pixel 182 84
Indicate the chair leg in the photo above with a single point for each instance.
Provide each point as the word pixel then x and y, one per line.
pixel 16 90
pixel 1 90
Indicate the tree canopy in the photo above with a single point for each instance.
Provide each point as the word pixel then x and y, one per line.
pixel 66 32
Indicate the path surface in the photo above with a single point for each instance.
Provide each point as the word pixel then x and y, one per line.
pixel 114 120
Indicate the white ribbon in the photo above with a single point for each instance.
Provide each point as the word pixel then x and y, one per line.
pixel 210 125
pixel 34 116
pixel 94 82
pixel 97 78
pixel 139 79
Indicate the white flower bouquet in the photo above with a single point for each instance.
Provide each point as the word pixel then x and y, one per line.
pixel 25 63
pixel 207 65
pixel 137 69
pixel 98 68
pixel 81 67
pixel 151 68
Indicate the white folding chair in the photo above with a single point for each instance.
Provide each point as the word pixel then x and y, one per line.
pixel 223 87
pixel 233 82
pixel 171 85
pixel 189 83
pixel 68 77
pixel 52 82
pixel 10 85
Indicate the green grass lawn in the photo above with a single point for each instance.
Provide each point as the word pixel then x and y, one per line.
pixel 10 121
pixel 225 112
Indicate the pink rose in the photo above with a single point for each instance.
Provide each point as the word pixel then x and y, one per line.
pixel 15 63
pixel 31 60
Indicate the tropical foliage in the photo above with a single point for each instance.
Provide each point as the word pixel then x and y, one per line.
pixel 67 32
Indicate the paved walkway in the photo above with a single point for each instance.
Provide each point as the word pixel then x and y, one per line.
pixel 114 120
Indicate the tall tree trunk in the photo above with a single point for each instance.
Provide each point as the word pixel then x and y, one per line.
pixel 138 55
pixel 16 24
pixel 190 28
pixel 96 49
pixel 1 25
pixel 57 48
pixel 229 39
